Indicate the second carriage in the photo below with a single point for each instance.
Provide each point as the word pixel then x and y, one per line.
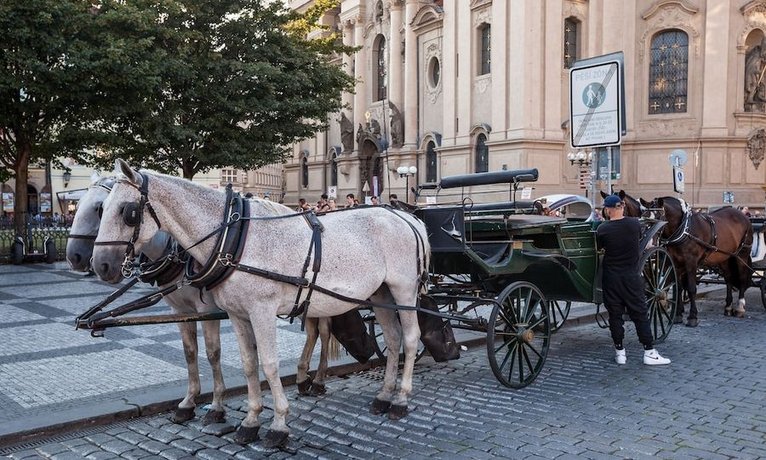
pixel 523 269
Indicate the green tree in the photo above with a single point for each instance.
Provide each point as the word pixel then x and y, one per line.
pixel 239 84
pixel 65 67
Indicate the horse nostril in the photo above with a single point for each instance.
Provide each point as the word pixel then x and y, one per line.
pixel 104 269
pixel 77 258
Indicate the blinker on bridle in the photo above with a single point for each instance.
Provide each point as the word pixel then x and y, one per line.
pixel 132 216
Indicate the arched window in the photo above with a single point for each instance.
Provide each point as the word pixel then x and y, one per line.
pixel 431 162
pixel 482 153
pixel 669 72
pixel 380 68
pixel 485 50
pixel 305 170
pixel 571 29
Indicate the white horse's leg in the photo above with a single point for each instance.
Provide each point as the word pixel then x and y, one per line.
pixel 212 333
pixel 325 336
pixel 185 409
pixel 248 430
pixel 265 330
pixel 411 335
pixel 389 323
pixel 302 378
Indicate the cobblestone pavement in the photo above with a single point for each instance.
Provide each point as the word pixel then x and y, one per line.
pixel 707 404
pixel 51 373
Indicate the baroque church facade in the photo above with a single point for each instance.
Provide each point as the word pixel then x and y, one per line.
pixel 465 86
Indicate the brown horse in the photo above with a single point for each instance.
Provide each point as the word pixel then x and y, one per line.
pixel 720 239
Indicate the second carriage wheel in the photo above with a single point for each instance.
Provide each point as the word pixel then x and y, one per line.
pixel 762 285
pixel 379 343
pixel 559 313
pixel 518 334
pixel 663 293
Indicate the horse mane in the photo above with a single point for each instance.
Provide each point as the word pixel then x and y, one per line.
pixel 271 207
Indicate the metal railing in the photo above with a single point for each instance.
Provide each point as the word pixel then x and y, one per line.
pixel 38 232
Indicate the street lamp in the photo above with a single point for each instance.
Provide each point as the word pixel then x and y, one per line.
pixel 581 158
pixel 67 177
pixel 406 172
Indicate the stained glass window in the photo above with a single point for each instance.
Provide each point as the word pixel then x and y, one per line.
pixel 485 65
pixel 381 69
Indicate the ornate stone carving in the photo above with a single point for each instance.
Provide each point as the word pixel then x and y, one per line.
pixel 346 133
pixel 755 83
pixel 670 14
pixel 432 91
pixel 756 145
pixel 397 127
pixel 482 16
pixel 482 83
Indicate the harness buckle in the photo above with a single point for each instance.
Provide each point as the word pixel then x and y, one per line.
pixel 128 269
pixel 226 260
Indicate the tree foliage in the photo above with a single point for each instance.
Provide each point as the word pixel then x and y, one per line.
pixel 57 59
pixel 238 84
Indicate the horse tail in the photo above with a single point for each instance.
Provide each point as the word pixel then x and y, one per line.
pixel 333 348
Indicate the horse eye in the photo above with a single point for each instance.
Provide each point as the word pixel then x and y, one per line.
pixel 100 210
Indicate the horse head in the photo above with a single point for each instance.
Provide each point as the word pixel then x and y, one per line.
pixel 673 211
pixel 633 207
pixel 125 230
pixel 82 234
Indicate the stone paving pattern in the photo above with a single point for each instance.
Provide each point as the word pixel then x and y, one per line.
pixel 707 404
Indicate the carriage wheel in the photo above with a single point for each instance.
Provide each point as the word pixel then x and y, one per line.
pixel 763 289
pixel 559 313
pixel 518 334
pixel 662 291
pixel 379 343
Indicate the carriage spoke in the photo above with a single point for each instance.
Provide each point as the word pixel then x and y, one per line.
pixel 528 361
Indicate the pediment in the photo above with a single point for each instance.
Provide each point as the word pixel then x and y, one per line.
pixel 684 5
pixel 753 7
pixel 480 3
pixel 429 15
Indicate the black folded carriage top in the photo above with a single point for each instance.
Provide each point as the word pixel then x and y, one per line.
pixel 494 177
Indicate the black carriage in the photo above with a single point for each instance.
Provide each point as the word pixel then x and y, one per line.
pixel 527 269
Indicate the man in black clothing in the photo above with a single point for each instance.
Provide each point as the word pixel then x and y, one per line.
pixel 622 284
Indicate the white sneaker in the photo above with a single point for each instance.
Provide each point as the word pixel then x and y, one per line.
pixel 620 357
pixel 652 358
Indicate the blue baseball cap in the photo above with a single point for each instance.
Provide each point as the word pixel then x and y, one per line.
pixel 612 201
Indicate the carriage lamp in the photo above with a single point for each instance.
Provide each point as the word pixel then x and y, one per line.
pixel 406 172
pixel 67 177
pixel 581 158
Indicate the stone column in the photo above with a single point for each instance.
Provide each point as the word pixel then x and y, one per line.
pixel 410 110
pixel 361 73
pixel 714 75
pixel 395 56
pixel 348 62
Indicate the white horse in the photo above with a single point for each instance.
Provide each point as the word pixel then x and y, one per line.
pixel 188 299
pixel 370 252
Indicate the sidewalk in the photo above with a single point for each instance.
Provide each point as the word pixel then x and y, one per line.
pixel 53 377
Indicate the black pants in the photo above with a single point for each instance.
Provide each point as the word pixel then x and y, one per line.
pixel 625 293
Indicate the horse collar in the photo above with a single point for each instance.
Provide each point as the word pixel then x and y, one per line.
pixel 681 232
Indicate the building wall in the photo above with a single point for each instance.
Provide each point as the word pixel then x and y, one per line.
pixel 522 105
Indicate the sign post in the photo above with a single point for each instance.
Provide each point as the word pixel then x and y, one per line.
pixel 597 106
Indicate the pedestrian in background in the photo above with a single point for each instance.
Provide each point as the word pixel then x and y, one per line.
pixel 351 201
pixel 622 284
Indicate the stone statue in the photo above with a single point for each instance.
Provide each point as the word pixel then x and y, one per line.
pixel 359 134
pixel 397 127
pixel 346 133
pixel 375 128
pixel 756 146
pixel 755 78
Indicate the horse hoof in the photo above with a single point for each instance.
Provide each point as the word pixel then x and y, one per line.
pixel 246 434
pixel 379 406
pixel 275 439
pixel 739 313
pixel 304 387
pixel 214 416
pixel 397 412
pixel 183 414
pixel 317 389
pixel 727 312
pixel 678 320
pixel 692 322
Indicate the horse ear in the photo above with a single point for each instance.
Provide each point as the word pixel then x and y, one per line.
pixel 660 202
pixel 603 195
pixel 621 194
pixel 644 203
pixel 123 167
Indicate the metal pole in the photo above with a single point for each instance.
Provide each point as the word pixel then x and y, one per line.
pixel 609 170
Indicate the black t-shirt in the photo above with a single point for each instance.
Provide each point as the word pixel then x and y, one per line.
pixel 619 238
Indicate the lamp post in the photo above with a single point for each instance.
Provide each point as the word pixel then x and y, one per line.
pixel 67 177
pixel 406 172
pixel 584 160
